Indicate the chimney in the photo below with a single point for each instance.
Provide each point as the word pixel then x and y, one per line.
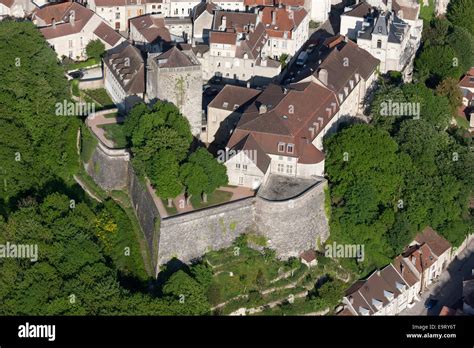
pixel 223 23
pixel 262 109
pixel 274 17
pixel 323 76
pixel 72 17
pixel 248 84
pixel 54 23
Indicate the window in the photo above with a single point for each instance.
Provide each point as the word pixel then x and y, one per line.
pixel 117 15
pixel 290 148
pixel 153 6
pixel 237 165
pixel 280 158
pixel 379 43
pixel 281 147
pixel 281 168
pixel 241 180
pixel 244 167
pixel 289 169
pixel 70 43
pixel 175 11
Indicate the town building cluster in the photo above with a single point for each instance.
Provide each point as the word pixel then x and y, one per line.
pixel 284 91
pixel 398 286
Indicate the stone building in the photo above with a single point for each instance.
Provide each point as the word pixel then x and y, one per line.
pixel 286 28
pixel 69 27
pixel 176 76
pixel 281 132
pixel 149 33
pixel 124 75
pixel 203 17
pixel 282 129
pixel 391 32
pixel 236 49
pixel 15 8
pixel 181 29
pixel 224 111
pixel 394 288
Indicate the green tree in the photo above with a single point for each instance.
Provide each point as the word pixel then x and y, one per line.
pixel 185 295
pixel 438 62
pixel 165 175
pixel 462 41
pixel 95 49
pixel 194 178
pixel 37 145
pixel 215 172
pixel 449 88
pixel 461 13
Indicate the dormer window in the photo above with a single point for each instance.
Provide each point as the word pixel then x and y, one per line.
pixel 290 148
pixel 281 147
pixel 377 304
pixel 388 295
pixel 236 106
pixel 225 105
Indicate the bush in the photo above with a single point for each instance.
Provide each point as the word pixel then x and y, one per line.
pixel 214 294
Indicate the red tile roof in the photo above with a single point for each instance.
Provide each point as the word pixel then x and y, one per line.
pixel 174 58
pixel 288 117
pixel 233 95
pixel 437 243
pixel 286 20
pixel 254 3
pixel 56 11
pixel 237 21
pixel 400 264
pixel 151 27
pixel 222 37
pixel 7 3
pixel 107 34
pixel 63 11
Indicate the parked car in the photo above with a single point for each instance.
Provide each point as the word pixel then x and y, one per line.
pixel 302 58
pixel 430 303
pixel 310 48
pixel 78 74
pixel 210 91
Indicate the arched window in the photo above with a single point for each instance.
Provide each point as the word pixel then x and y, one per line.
pixel 379 43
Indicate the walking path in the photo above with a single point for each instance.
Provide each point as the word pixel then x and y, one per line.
pixel 98 119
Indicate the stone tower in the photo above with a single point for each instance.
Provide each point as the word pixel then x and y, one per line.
pixel 176 76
